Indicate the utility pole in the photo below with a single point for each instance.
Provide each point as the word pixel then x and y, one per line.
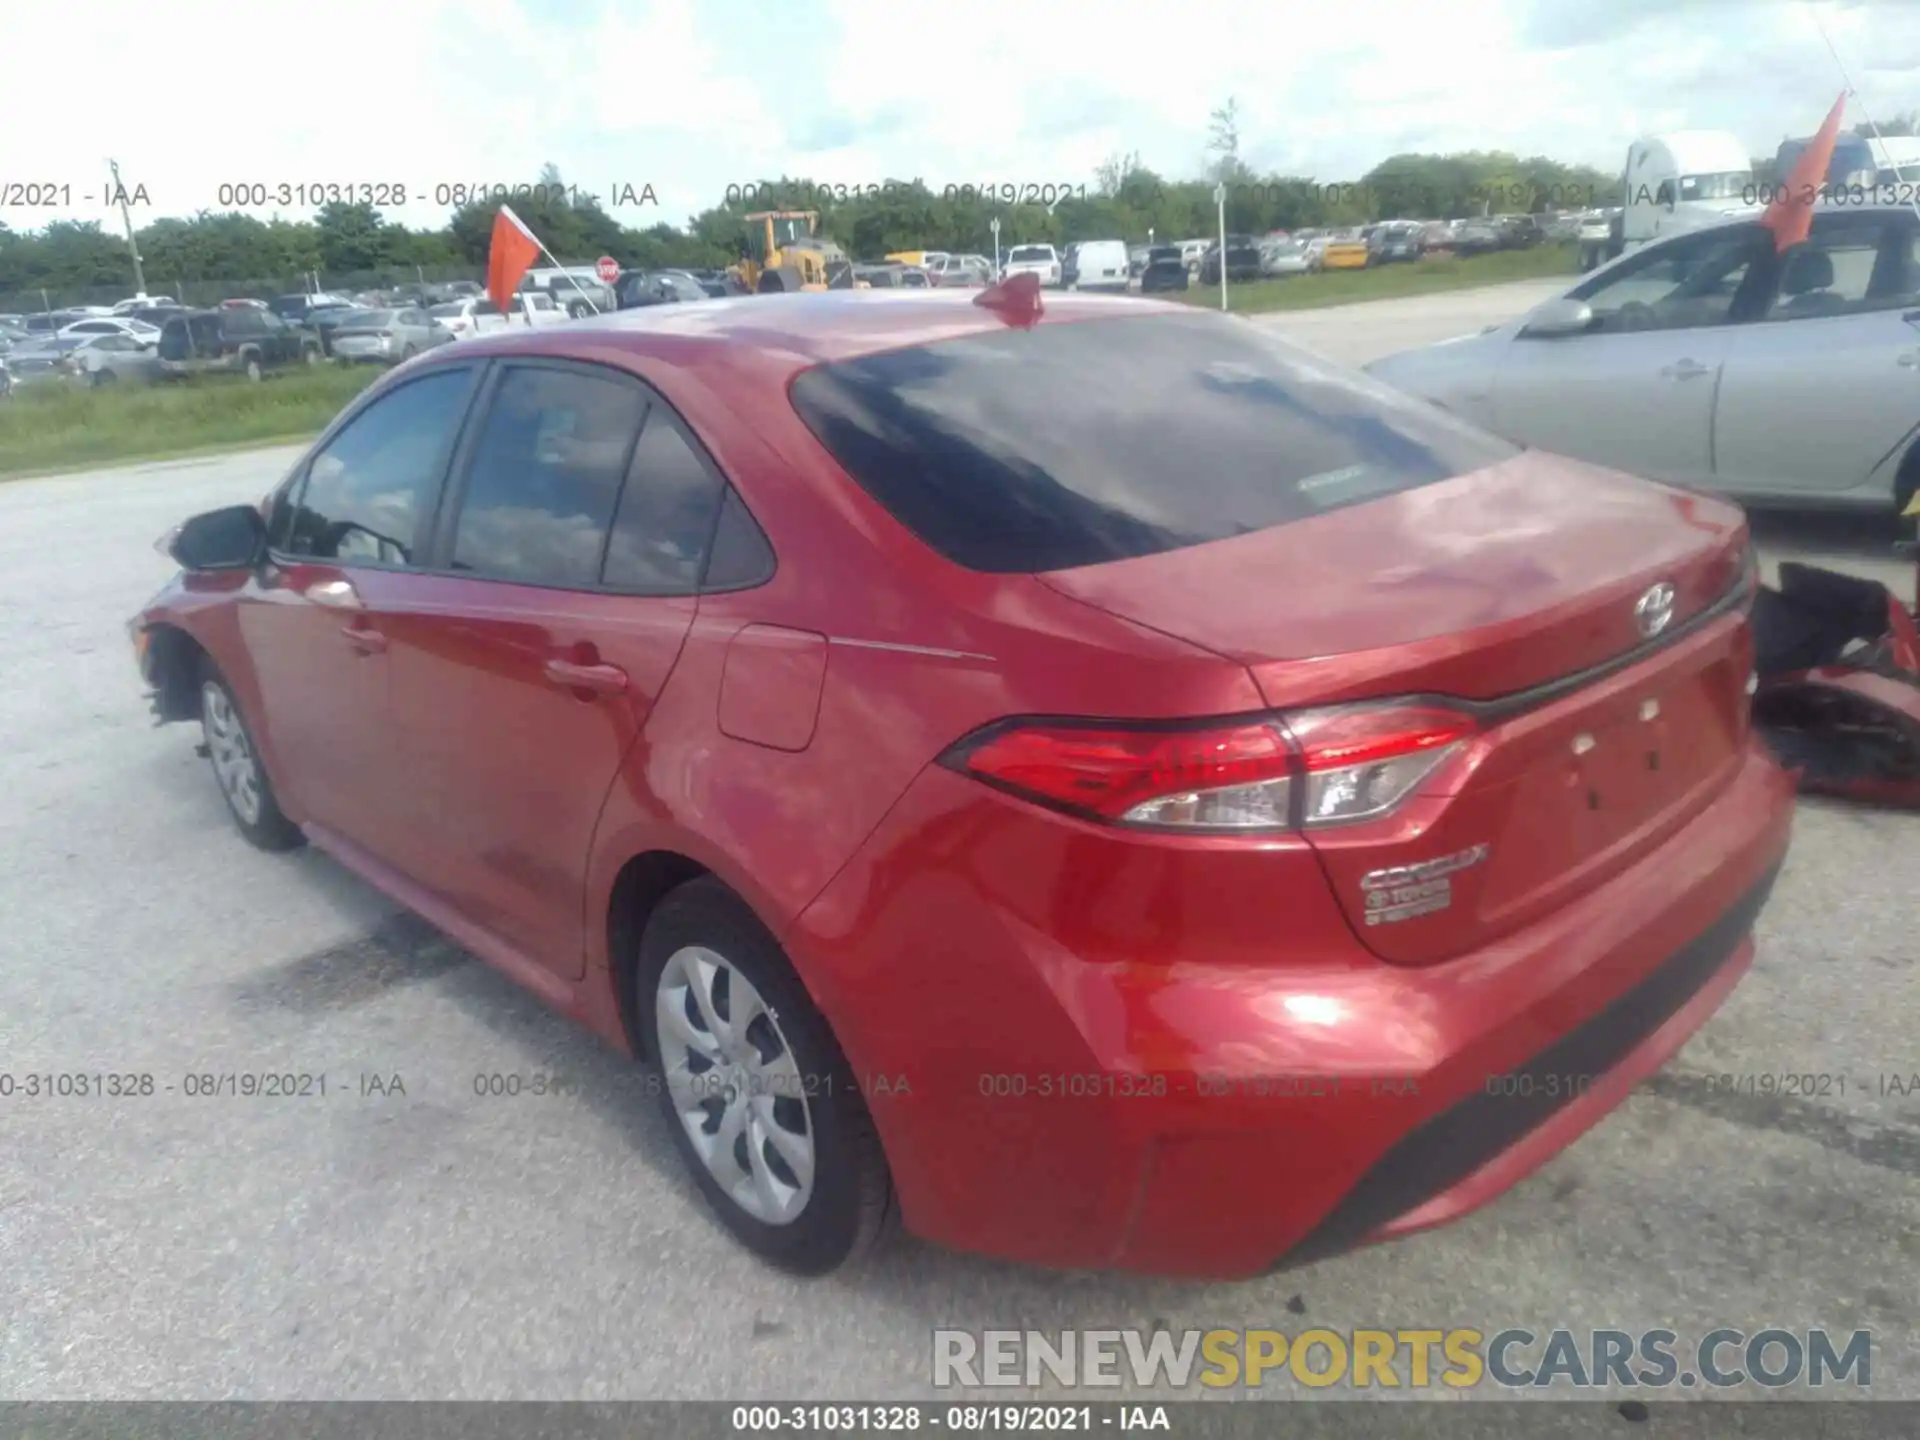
pixel 126 219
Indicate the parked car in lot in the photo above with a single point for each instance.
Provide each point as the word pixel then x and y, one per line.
pixel 1520 232
pixel 637 288
pixel 386 337
pixel 1594 234
pixel 825 873
pixel 141 332
pixel 298 309
pixel 1096 265
pixel 40 361
pixel 1243 260
pixel 135 303
pixel 1280 258
pixel 1478 237
pixel 1345 252
pixel 1041 260
pixel 963 272
pixel 577 290
pixel 889 277
pixel 242 341
pixel 1705 359
pixel 99 361
pixel 327 320
pixel 48 323
pixel 1136 260
pixel 1166 269
pixel 1192 252
pixel 466 318
pixel 1396 240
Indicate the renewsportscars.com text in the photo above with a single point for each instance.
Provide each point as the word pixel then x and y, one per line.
pixel 1458 1359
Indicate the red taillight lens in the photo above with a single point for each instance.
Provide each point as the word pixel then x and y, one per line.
pixel 1363 760
pixel 1309 768
pixel 1231 777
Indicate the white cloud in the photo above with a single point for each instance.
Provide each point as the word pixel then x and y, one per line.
pixel 689 95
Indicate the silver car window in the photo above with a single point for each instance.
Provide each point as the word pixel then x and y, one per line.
pixel 1849 264
pixel 1682 283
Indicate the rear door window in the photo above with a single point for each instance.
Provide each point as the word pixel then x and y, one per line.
pixel 1077 443
pixel 540 493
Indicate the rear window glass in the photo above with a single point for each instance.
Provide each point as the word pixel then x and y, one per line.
pixel 1069 445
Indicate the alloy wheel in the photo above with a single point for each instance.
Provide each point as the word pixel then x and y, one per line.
pixel 234 764
pixel 736 1086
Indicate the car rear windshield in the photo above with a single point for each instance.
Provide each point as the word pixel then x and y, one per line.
pixel 1070 444
pixel 1030 252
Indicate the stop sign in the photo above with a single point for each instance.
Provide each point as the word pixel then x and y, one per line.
pixel 607 268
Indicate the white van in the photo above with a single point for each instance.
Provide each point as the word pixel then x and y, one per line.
pixel 1097 265
pixel 1689 178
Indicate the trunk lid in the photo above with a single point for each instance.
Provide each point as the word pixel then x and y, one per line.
pixel 1504 587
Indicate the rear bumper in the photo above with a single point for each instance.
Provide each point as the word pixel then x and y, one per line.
pixel 1088 1050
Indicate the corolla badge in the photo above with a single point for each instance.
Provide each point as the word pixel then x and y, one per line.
pixel 1653 611
pixel 1405 892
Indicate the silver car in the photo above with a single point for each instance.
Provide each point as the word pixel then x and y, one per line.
pixel 1708 360
pixel 386 337
pixel 102 360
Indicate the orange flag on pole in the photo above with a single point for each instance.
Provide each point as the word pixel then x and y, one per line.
pixel 509 256
pixel 1790 215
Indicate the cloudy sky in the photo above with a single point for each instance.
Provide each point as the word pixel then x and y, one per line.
pixel 689 96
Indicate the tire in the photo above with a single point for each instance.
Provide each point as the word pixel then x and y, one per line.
pixel 253 370
pixel 806 1225
pixel 237 769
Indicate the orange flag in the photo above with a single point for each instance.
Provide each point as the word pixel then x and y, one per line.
pixel 510 255
pixel 1790 216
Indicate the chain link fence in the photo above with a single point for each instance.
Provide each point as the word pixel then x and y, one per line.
pixel 212 292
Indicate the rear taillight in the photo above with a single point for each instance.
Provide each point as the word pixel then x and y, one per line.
pixel 1363 760
pixel 1310 768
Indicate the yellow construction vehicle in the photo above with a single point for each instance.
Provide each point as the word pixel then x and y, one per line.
pixel 784 251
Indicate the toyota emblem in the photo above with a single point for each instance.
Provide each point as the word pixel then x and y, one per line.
pixel 1653 611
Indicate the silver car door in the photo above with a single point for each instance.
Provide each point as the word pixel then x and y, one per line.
pixel 1822 390
pixel 1635 391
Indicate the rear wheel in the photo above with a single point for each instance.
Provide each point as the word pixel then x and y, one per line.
pixel 760 1101
pixel 236 766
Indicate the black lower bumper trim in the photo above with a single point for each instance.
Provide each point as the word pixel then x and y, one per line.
pixel 1453 1144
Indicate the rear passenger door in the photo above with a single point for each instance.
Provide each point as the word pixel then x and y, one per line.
pixel 566 564
pixel 1823 386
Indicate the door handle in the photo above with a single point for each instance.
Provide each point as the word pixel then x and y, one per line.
pixel 367 642
pixel 600 679
pixel 1685 370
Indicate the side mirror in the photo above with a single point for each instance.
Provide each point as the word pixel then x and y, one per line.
pixel 231 539
pixel 1559 317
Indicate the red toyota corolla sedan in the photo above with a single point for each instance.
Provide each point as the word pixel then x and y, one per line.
pixel 1104 784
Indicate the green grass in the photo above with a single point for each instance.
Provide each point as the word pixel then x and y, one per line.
pixel 1386 282
pixel 46 428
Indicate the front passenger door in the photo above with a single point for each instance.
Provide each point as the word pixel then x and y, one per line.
pixel 1636 391
pixel 341 549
